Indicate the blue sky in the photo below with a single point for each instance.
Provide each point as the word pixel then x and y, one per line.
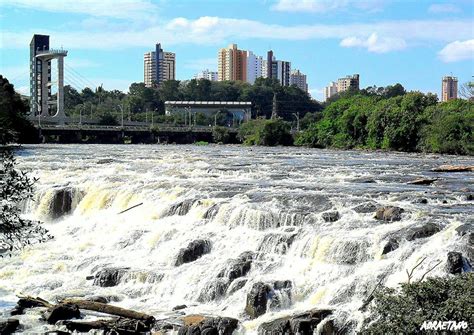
pixel 413 42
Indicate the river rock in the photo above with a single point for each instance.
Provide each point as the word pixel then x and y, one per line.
pixel 422 201
pixel 469 197
pixel 364 208
pixel 181 208
pixel 179 307
pixel 193 251
pixel 389 214
pixel 277 243
pixel 423 181
pixel 62 312
pixel 390 246
pixel 61 203
pixel 22 304
pixel 238 267
pixel 257 300
pixel 423 231
pixel 236 285
pixel 9 326
pixel 331 216
pixel 109 277
pixel 263 294
pixel 206 325
pixel 465 229
pixel 454 263
pixel 303 323
pixel 454 168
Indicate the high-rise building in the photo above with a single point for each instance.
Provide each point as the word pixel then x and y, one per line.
pixel 38 73
pixel 40 79
pixel 232 64
pixel 299 79
pixel 449 88
pixel 330 90
pixel 256 67
pixel 158 66
pixel 278 69
pixel 207 74
pixel 348 82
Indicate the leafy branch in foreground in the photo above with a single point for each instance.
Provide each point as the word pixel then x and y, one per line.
pixel 15 188
pixel 405 310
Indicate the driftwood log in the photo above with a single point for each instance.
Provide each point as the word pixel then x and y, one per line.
pixel 109 309
pixel 121 326
pixel 454 168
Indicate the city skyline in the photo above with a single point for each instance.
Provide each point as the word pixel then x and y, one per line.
pixel 413 44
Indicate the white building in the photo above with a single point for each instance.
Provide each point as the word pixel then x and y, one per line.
pixel 256 67
pixel 330 90
pixel 207 74
pixel 299 79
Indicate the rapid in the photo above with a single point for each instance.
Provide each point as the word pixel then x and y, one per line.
pixel 260 202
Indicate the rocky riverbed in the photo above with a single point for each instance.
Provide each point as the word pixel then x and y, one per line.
pixel 233 240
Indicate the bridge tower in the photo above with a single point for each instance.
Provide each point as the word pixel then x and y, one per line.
pixel 41 103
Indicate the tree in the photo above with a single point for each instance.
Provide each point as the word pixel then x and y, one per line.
pixel 405 310
pixel 466 91
pixel 13 110
pixel 15 188
pixel 220 134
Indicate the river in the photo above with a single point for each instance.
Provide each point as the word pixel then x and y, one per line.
pixel 265 200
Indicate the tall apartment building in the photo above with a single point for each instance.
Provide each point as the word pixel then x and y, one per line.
pixel 159 66
pixel 449 88
pixel 256 67
pixel 232 64
pixel 206 74
pixel 278 69
pixel 299 79
pixel 330 90
pixel 348 82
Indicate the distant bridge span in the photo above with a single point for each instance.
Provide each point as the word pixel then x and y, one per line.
pixel 159 133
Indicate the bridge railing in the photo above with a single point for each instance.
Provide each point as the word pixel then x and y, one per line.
pixel 156 127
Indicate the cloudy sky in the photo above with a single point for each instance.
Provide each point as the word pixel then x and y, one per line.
pixel 413 42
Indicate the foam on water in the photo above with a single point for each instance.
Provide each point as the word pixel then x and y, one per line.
pixel 265 200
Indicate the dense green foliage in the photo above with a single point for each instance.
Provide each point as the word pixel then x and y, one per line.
pixel 436 299
pixel 265 132
pixel 13 123
pixel 393 120
pixel 141 101
pixel 220 135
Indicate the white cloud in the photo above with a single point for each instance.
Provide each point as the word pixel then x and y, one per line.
pixel 216 31
pixel 375 44
pixel 443 8
pixel 457 51
pixel 120 9
pixel 201 64
pixel 322 6
pixel 316 93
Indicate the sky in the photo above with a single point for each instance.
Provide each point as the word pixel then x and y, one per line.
pixel 412 42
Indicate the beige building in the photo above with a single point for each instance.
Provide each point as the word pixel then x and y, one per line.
pixel 343 84
pixel 299 79
pixel 232 64
pixel 449 88
pixel 158 67
pixel 330 90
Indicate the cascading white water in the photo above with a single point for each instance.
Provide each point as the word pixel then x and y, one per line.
pixel 267 201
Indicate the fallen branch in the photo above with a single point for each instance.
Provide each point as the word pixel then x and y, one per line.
pixel 454 168
pixel 29 302
pixel 370 297
pixel 423 277
pixel 126 210
pixel 110 309
pixel 121 326
pixel 410 274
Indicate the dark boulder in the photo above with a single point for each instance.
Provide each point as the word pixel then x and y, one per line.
pixel 331 216
pixel 277 243
pixel 62 312
pixel 193 251
pixel 23 304
pixel 423 231
pixel 423 181
pixel 257 300
pixel 389 214
pixel 262 295
pixel 364 208
pixel 204 325
pixel 109 277
pixel 422 201
pixel 465 229
pixel 179 307
pixel 390 246
pixel 454 262
pixel 61 203
pixel 303 323
pixel 238 267
pixel 9 326
pixel 236 285
pixel 181 208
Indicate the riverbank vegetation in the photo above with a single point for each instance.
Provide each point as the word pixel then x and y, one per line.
pixel 406 122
